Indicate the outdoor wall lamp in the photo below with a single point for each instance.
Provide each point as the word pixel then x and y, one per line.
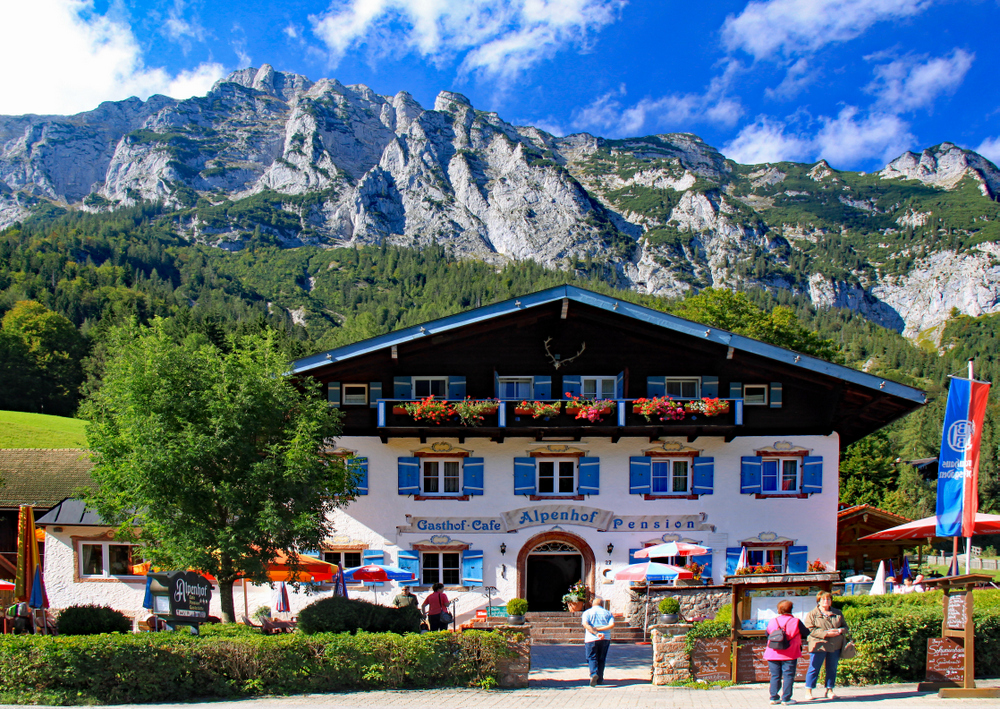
pixel 611 548
pixel 503 548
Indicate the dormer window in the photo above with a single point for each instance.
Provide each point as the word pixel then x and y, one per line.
pixel 755 394
pixel 430 386
pixel 355 394
pixel 683 388
pixel 598 387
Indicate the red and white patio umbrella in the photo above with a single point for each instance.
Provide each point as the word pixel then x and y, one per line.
pixel 927 527
pixel 652 571
pixel 672 549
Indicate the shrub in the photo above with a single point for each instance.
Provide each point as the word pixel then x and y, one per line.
pixel 92 620
pixel 517 606
pixel 174 667
pixel 669 605
pixel 349 615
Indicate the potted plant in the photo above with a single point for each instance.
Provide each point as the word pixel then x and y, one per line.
pixel 516 608
pixel 696 570
pixel 575 599
pixel 471 412
pixel 590 409
pixel 669 608
pixel 662 407
pixel 429 408
pixel 538 409
pixel 707 406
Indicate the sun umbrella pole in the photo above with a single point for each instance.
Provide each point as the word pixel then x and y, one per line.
pixel 645 620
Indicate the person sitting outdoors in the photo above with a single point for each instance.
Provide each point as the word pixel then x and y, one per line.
pixel 918 584
pixel 906 587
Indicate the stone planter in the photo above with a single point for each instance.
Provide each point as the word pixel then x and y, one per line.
pixel 576 606
pixel 667 618
pixel 515 619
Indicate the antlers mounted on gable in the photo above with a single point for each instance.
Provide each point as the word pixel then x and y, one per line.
pixel 557 363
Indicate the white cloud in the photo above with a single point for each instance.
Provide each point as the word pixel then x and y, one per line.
pixel 797 77
pixel 499 38
pixel 990 149
pixel 846 141
pixel 767 28
pixel 68 59
pixel 911 83
pixel 180 29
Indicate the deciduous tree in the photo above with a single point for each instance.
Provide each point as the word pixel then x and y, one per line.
pixel 211 457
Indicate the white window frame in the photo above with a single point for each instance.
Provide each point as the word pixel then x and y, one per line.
pixel 598 387
pixel 440 477
pixel 682 380
pixel 756 399
pixel 672 476
pixel 415 380
pixel 341 555
pixel 784 555
pixel 557 477
pixel 530 381
pixel 105 559
pixel 782 461
pixel 437 571
pixel 345 401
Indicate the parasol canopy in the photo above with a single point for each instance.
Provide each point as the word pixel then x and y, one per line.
pixel 927 527
pixel 281 604
pixel 878 585
pixel 672 549
pixel 39 599
pixel 652 571
pixel 378 572
pixel 6 585
pixel 27 553
pixel 904 570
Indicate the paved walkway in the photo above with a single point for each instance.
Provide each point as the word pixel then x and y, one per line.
pixel 559 680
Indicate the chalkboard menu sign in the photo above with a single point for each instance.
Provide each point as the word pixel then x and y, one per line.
pixel 956 611
pixel 752 667
pixel 710 659
pixel 945 660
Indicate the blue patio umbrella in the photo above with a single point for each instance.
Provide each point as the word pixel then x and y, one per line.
pixel 147 600
pixel 904 570
pixel 38 598
pixel 891 571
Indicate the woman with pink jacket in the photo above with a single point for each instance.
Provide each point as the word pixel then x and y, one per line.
pixel 781 662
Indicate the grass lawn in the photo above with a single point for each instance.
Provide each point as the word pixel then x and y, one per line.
pixel 21 430
pixel 943 569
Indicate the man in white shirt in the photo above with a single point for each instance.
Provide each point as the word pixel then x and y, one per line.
pixel 596 622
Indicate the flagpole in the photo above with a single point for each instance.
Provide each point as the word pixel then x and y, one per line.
pixel 968 540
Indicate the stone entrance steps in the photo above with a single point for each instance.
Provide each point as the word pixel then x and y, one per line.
pixel 561 628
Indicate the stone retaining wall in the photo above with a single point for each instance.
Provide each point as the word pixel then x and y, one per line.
pixel 694 600
pixel 514 671
pixel 670 659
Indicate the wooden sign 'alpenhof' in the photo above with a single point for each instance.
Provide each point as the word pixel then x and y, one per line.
pixel 181 597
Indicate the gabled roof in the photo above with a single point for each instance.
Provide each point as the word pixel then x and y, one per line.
pixel 625 309
pixel 71 513
pixel 42 476
pixel 871 510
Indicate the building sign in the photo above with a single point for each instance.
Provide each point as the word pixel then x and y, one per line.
pixel 562 515
pixel 183 595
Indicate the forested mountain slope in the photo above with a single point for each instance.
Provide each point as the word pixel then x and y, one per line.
pixel 271 157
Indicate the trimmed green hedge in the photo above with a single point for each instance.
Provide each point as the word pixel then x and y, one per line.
pixel 171 667
pixel 349 615
pixel 891 634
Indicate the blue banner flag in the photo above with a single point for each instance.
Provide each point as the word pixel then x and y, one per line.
pixel 958 463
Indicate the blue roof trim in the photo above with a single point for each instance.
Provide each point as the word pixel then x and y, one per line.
pixel 638 312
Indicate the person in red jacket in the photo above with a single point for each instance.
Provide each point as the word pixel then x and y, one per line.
pixel 436 604
pixel 781 662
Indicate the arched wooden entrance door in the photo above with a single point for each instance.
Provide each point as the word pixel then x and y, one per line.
pixel 548 564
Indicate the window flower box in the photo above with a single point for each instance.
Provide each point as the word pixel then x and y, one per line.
pixel 707 406
pixel 592 410
pixel 472 412
pixel 429 409
pixel 663 408
pixel 538 409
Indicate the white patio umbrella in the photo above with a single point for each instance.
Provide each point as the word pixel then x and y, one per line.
pixel 878 585
pixel 672 549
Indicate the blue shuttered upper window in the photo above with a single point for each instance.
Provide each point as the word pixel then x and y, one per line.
pixel 444 477
pixel 665 476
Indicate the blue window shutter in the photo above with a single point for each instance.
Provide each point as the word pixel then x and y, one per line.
pixel 732 559
pixel 472 567
pixel 524 476
pixel 812 474
pixel 374 393
pixel 710 387
pixel 639 475
pixel 798 560
pixel 706 561
pixel 359 466
pixel 590 476
pixel 632 558
pixel 656 386
pixel 750 474
pixel 410 561
pixel 735 390
pixel 496 385
pixel 333 393
pixel 704 476
pixel 775 397
pixel 542 388
pixel 402 388
pixel 456 387
pixel 620 385
pixel 372 556
pixel 409 476
pixel 472 476
pixel 571 385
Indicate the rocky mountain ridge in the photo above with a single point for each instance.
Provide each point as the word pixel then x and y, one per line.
pixel 276 154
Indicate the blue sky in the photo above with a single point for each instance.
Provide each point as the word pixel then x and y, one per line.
pixel 856 82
